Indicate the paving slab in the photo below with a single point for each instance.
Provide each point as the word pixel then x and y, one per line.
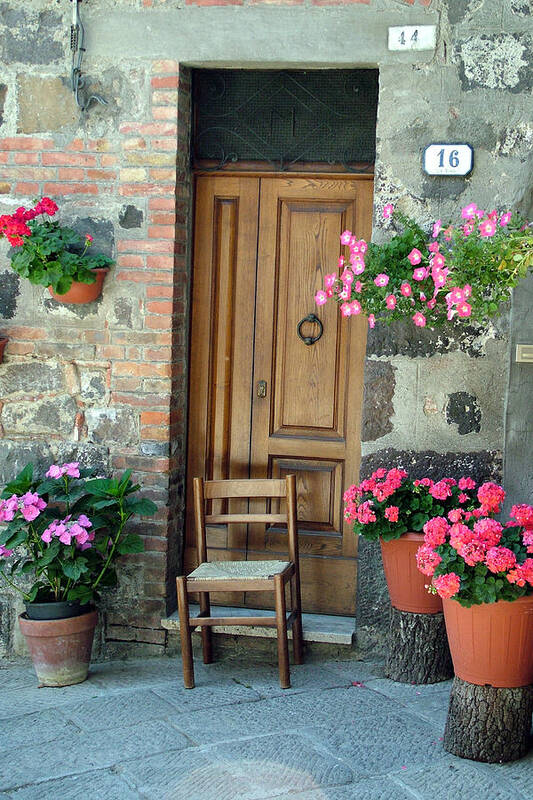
pixel 101 785
pixel 448 781
pixel 370 789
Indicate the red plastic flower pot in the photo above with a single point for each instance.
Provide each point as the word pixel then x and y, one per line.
pixel 60 648
pixel 407 586
pixel 82 292
pixel 492 643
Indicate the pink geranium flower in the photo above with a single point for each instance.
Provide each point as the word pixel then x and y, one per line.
pixel 54 471
pixel 447 585
pixel 388 211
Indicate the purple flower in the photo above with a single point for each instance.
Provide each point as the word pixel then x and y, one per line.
pixel 84 521
pixel 4 552
pixel 54 472
pixel 30 513
pixel 72 469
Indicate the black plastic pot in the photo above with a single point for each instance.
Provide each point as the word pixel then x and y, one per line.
pixel 56 610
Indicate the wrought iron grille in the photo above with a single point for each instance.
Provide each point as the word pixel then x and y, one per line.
pixel 285 117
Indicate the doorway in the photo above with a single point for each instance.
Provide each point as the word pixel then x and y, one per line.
pixel 262 402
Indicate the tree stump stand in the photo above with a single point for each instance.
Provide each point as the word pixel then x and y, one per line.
pixel 488 724
pixel 418 648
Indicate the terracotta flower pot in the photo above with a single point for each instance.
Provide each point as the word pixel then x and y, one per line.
pixel 82 292
pixel 60 648
pixel 406 584
pixel 3 341
pixel 492 643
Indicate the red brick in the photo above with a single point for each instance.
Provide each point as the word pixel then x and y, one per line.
pixel 100 145
pixel 162 203
pixel 70 188
pixel 163 218
pixel 159 174
pixel 141 400
pixel 101 175
pixel 161 232
pixel 162 322
pixel 141 246
pixel 132 369
pixel 29 172
pixel 169 82
pixel 168 98
pixel 20 348
pixel 158 354
pixel 339 2
pixel 108 161
pixel 127 384
pixel 131 261
pixel 144 277
pixel 164 112
pixel 23 332
pixel 23 143
pixel 153 433
pixel 165 67
pixel 160 291
pixel 214 2
pixel 4 156
pixel 149 128
pixel 135 143
pixel 143 189
pixel 159 307
pixel 155 417
pixel 164 144
pixel 70 174
pixel 113 351
pixel 160 262
pixel 67 160
pixel 24 158
pixel 27 188
pixel 76 144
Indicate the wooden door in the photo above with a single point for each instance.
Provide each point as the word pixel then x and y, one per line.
pixel 262 402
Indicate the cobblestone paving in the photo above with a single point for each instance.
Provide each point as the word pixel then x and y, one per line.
pixel 343 732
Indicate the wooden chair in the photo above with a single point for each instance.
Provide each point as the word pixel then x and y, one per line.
pixel 243 576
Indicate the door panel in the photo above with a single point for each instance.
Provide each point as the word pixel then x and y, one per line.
pixel 306 417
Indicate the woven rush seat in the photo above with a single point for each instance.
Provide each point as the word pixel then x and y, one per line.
pixel 243 570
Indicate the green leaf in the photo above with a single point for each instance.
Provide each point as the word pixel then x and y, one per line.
pixel 142 506
pixel 74 569
pixel 132 543
pixel 82 592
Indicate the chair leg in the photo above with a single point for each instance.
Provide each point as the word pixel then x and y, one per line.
pixel 297 633
pixel 281 625
pixel 185 633
pixel 207 649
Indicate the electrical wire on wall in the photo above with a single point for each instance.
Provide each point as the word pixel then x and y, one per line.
pixel 77 40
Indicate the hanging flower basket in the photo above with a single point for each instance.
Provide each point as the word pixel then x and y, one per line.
pixel 82 292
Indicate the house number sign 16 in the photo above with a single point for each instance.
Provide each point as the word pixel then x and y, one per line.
pixel 448 159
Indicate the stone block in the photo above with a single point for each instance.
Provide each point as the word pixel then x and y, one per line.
pixel 45 104
pixel 9 291
pixel 50 415
pixel 98 785
pixel 93 386
pixel 378 409
pixel 119 425
pixel 29 39
pixel 119 710
pixel 30 377
pixel 482 465
pixel 130 217
pixel 89 455
pixel 102 231
pixel 496 61
pixel 462 409
pixel 14 455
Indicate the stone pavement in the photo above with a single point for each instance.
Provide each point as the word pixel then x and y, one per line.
pixel 342 732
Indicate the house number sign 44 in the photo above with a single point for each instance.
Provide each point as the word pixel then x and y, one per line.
pixel 448 159
pixel 412 37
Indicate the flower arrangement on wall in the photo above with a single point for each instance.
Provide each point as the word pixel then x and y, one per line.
pixel 463 270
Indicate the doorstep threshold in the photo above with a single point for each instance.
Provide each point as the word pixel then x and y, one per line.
pixel 316 627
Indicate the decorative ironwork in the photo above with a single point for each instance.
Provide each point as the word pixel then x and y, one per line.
pixel 285 117
pixel 310 339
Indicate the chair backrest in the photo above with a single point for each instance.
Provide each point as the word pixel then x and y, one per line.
pixel 218 490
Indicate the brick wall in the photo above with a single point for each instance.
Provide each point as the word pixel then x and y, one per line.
pixel 107 383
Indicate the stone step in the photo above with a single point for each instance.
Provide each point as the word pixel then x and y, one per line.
pixel 324 628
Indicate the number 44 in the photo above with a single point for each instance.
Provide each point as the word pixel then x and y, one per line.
pixel 413 38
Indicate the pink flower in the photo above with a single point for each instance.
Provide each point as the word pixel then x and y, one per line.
pixel 439 278
pixel 72 469
pixel 427 560
pixel 329 280
pixel 431 303
pixel 437 227
pixel 405 289
pixel 489 531
pixel 466 483
pixel 390 300
pixel 457 295
pixel 371 321
pixel 382 279
pixel 419 319
pixel 30 513
pixel 505 218
pixel 346 237
pixel 522 573
pixel 437 261
pixel 346 309
pixel 500 559
pixel 347 276
pixel 47 534
pixel 88 238
pixel 360 247
pixel 84 521
pixel 435 531
pixel 467 289
pixel 320 298
pixel 433 247
pixel 391 513
pixel 358 264
pixel 356 307
pixel 388 210
pixel 455 515
pixel 54 472
pixel 463 498
pixel 487 227
pixel 357 287
pixel 464 310
pixel 420 274
pixel 469 211
pixel 340 263
pixel 491 496
pixel 365 514
pixel 4 552
pixel 440 490
pixel 447 585
pixel 415 256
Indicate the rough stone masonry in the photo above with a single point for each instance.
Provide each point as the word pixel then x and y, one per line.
pixel 107 383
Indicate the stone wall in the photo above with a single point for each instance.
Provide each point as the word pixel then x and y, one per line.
pixel 107 382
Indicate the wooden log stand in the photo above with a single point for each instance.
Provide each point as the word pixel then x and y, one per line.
pixel 418 648
pixel 488 724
